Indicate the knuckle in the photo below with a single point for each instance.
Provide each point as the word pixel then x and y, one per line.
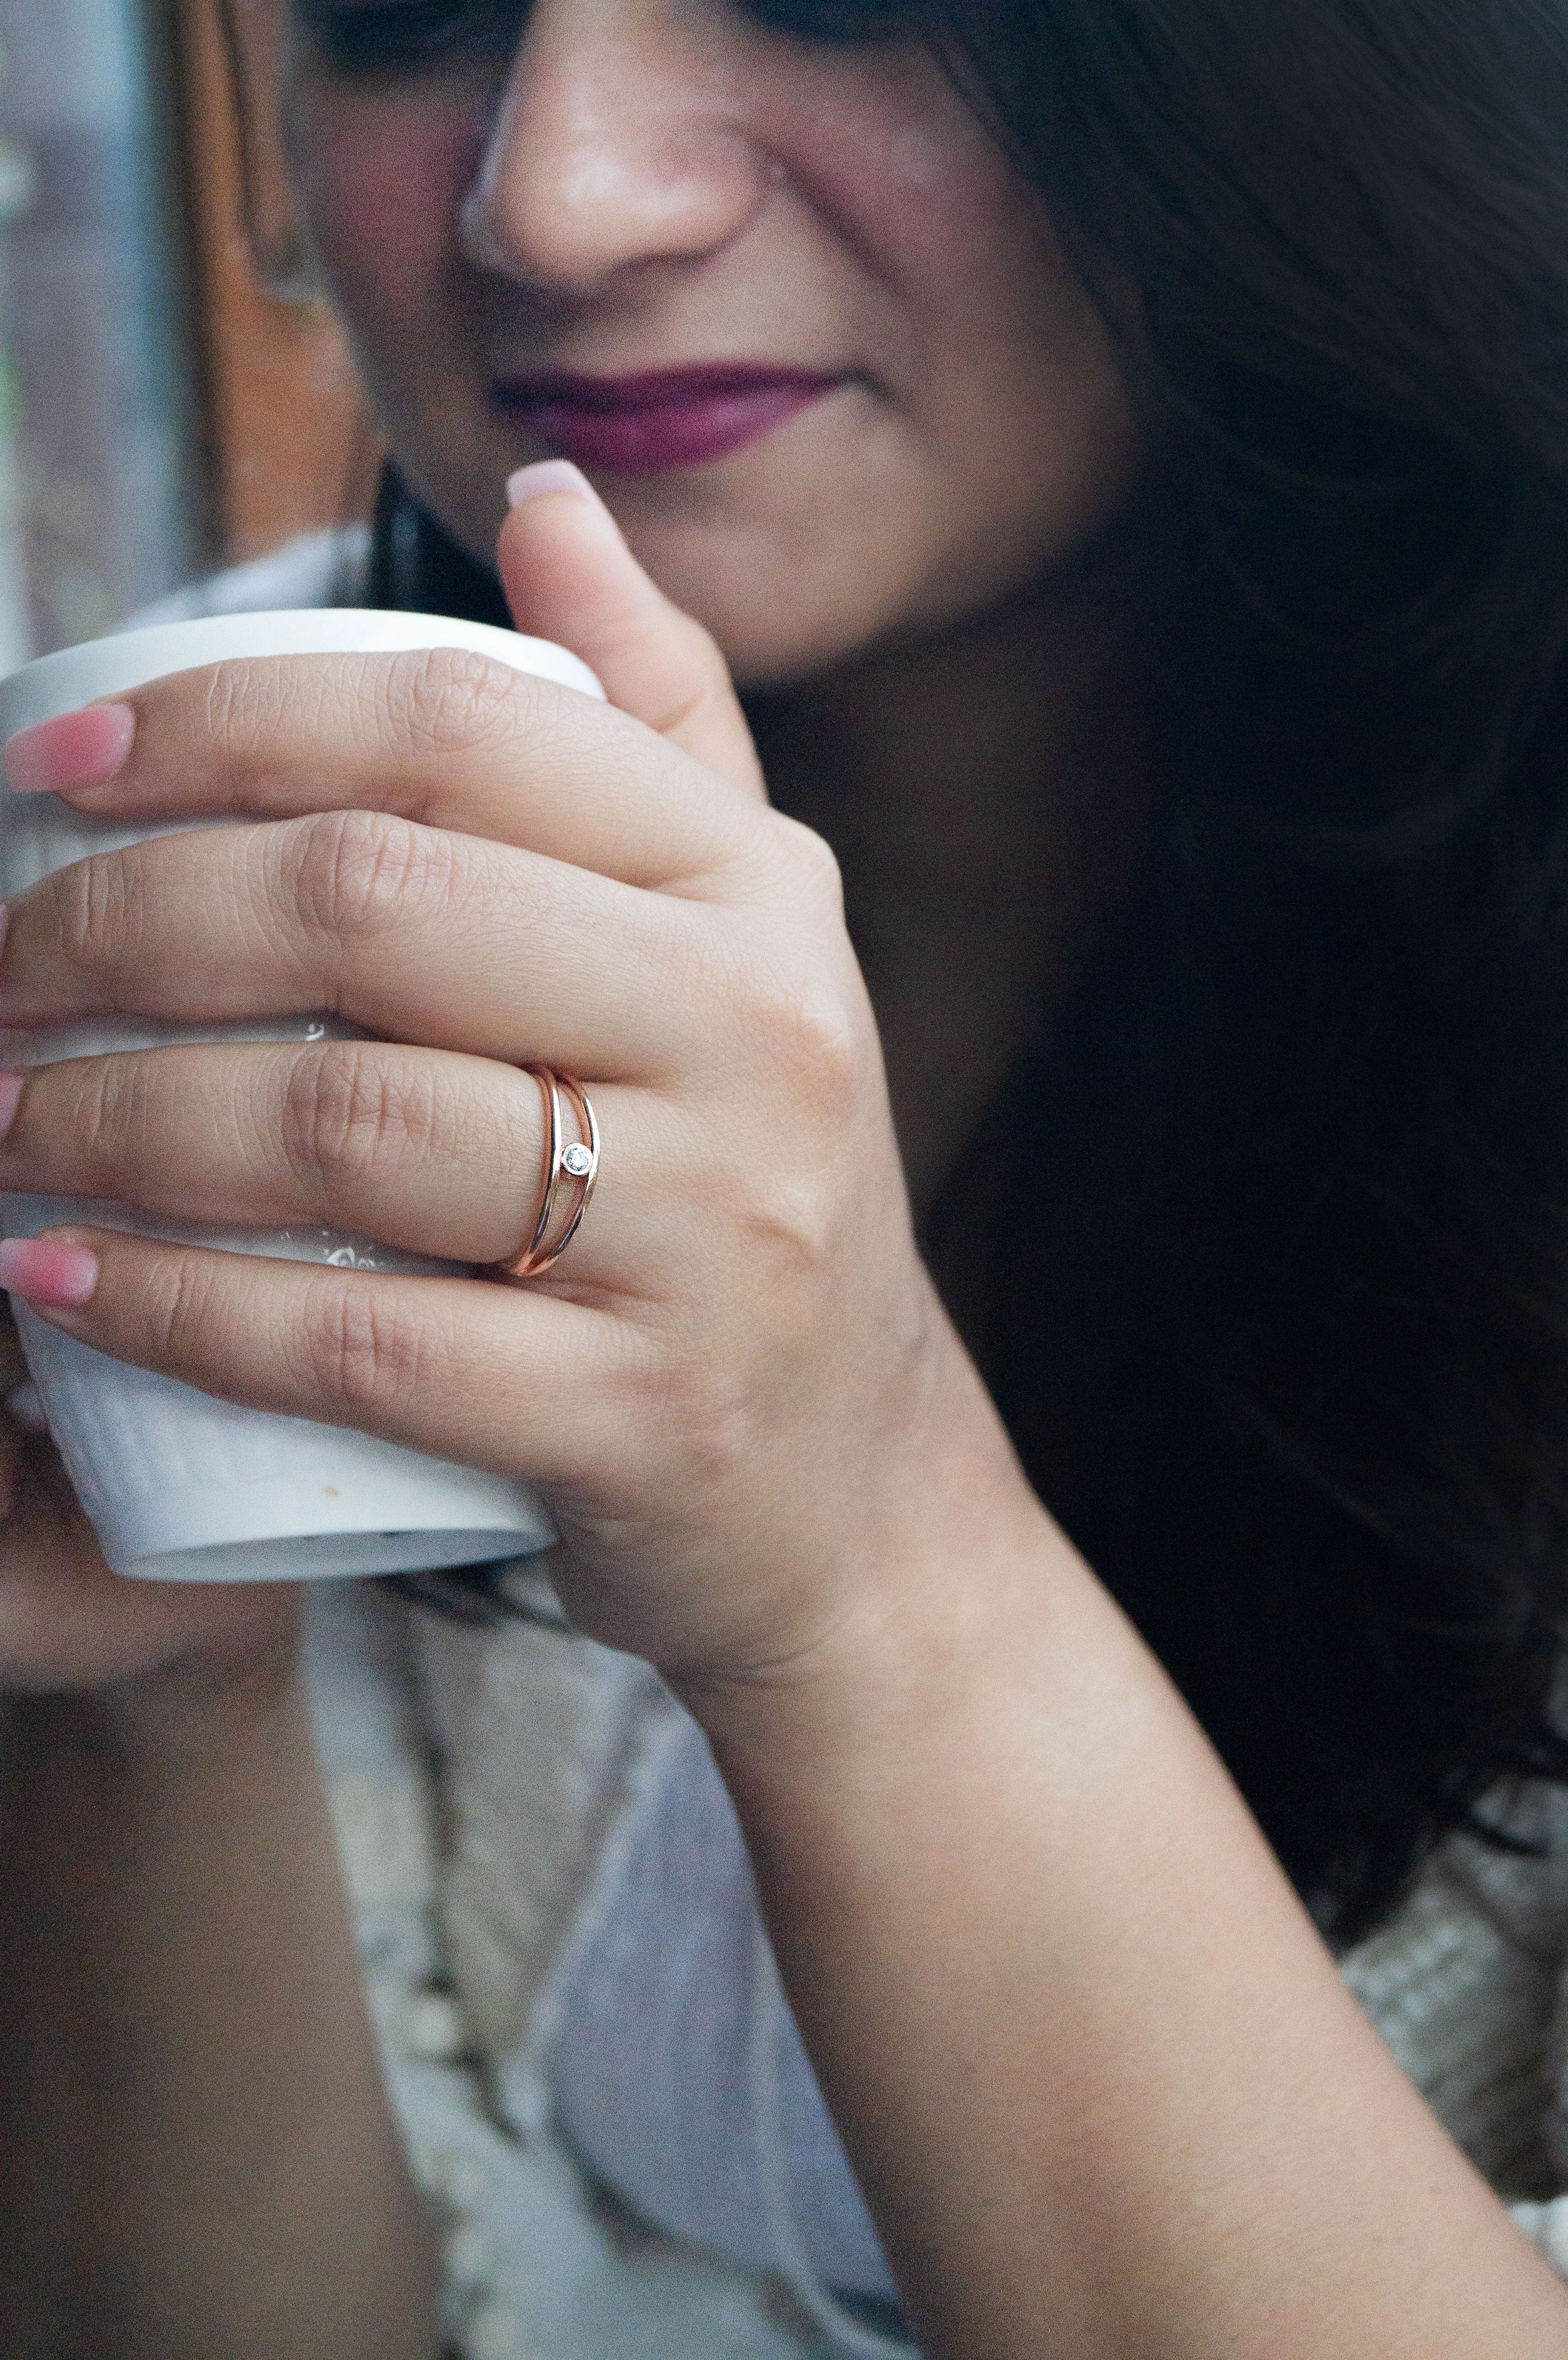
pixel 361 1348
pixel 449 700
pixel 702 649
pixel 812 1056
pixel 356 872
pixel 813 864
pixel 697 673
pixel 346 1112
pixel 104 1106
pixel 177 1307
pixel 237 703
pixel 807 1031
pixel 95 912
pixel 791 1228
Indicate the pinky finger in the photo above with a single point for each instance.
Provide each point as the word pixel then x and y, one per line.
pixel 500 1378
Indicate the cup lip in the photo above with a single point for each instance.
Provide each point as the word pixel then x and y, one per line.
pixel 58 684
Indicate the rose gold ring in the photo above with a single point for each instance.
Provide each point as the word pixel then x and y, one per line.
pixel 572 1167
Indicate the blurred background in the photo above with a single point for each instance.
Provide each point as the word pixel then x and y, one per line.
pixel 173 395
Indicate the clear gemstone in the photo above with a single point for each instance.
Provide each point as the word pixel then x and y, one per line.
pixel 578 1162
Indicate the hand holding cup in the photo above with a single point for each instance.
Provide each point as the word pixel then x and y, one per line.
pixel 180 1485
pixel 737 1392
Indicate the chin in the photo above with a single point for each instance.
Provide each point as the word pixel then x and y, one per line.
pixel 806 622
pixel 760 657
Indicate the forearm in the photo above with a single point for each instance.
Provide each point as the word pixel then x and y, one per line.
pixel 196 2155
pixel 1103 2087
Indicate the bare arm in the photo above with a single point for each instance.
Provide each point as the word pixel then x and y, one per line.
pixel 1105 2091
pixel 196 2156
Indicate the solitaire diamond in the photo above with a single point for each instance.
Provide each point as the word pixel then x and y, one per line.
pixel 578 1162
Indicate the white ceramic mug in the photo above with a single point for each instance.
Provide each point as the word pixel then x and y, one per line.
pixel 182 1487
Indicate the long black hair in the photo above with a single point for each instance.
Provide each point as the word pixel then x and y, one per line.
pixel 1285 1260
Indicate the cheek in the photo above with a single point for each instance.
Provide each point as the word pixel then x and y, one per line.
pixel 1006 428
pixel 382 185
pixel 901 167
pixel 1015 371
pixel 972 286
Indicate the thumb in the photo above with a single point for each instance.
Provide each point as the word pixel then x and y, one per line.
pixel 569 576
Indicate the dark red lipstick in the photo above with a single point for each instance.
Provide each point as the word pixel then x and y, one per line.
pixel 645 424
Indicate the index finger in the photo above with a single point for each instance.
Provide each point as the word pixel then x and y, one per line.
pixel 440 736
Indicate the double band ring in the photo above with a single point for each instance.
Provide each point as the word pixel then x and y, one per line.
pixel 571 1169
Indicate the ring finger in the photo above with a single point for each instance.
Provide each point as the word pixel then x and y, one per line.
pixel 435 1152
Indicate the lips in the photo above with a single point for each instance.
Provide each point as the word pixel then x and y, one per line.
pixel 645 425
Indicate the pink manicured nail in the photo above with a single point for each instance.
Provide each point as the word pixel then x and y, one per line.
pixel 47 1272
pixel 81 749
pixel 10 1092
pixel 551 475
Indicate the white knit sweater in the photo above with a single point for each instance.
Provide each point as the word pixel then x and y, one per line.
pixel 482 1783
pixel 547 1744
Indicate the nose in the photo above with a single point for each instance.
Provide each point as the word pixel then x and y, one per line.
pixel 621 142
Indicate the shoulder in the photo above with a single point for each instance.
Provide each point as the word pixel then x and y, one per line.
pixel 321 569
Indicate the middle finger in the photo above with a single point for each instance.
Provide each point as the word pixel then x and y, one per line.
pixel 446 940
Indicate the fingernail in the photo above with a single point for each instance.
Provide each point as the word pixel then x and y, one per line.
pixel 10 1093
pixel 81 749
pixel 47 1272
pixel 551 475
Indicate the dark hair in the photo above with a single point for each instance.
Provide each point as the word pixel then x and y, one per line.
pixel 1290 1353
pixel 1286 1255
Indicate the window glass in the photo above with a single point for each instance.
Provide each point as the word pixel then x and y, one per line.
pixel 96 507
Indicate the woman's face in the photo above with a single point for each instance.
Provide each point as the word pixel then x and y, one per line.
pixel 532 216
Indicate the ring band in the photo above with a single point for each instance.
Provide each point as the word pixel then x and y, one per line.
pixel 569 1164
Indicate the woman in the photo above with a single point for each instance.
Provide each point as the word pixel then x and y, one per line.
pixel 1120 457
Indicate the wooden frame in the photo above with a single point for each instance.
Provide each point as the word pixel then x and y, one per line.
pixel 289 444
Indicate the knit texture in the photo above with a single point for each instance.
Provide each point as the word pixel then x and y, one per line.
pixel 533 1751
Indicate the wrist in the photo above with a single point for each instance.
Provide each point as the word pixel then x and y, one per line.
pixel 924 1612
pixel 172 1719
